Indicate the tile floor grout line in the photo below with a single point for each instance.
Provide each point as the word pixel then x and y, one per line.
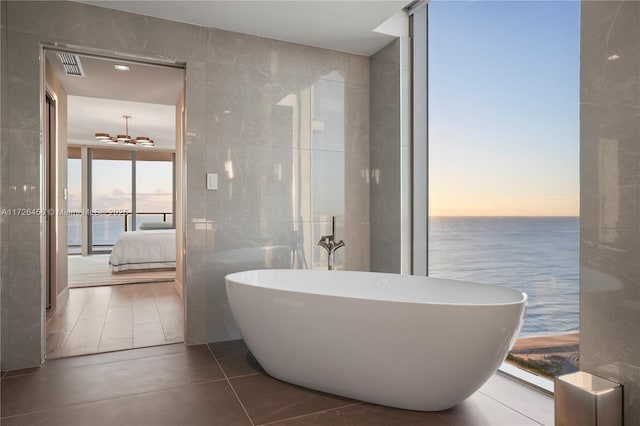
pixel 76 404
pixel 231 386
pixel 63 349
pixel 310 414
pixel 275 421
pixel 155 302
pixel 104 323
pixel 511 408
pixel 133 327
pixel 164 342
pixel 114 361
pixel 246 375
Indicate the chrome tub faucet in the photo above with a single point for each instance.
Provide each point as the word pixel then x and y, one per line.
pixel 329 244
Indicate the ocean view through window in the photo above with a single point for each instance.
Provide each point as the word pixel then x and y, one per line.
pixel 504 162
pixel 74 204
pixel 111 176
pixel 154 192
pixel 111 191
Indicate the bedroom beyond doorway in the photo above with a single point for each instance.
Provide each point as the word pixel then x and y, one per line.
pixel 116 172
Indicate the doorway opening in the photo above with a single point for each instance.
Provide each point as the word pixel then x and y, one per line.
pixel 114 173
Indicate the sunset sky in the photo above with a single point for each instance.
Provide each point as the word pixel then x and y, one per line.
pixel 504 108
pixel 112 185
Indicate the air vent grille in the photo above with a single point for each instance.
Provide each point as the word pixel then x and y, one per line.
pixel 71 64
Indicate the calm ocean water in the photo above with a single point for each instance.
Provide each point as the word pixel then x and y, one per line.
pixel 105 228
pixel 536 255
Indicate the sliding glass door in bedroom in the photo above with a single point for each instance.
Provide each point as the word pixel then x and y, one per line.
pixel 130 191
pixel 111 199
pixel 119 138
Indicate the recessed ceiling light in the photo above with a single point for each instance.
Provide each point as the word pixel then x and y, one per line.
pixel 613 57
pixel 120 67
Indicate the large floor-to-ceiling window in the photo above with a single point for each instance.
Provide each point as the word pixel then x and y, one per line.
pixel 111 200
pixel 154 192
pixel 127 191
pixel 503 162
pixel 74 205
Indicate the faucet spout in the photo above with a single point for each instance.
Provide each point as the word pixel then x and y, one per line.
pixel 330 245
pixel 338 245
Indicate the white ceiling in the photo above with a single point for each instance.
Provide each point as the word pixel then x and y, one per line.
pixel 97 101
pixel 87 116
pixel 142 83
pixel 346 26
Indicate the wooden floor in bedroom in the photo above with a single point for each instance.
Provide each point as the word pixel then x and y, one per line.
pixel 103 319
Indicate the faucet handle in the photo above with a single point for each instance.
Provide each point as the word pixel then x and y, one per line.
pixel 325 242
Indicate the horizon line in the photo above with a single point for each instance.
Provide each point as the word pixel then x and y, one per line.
pixel 523 216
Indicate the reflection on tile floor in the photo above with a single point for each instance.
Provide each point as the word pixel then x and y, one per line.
pixel 222 384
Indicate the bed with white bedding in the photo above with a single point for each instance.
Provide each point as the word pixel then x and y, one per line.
pixel 140 250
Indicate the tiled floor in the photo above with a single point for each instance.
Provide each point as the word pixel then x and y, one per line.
pixel 221 384
pixel 101 319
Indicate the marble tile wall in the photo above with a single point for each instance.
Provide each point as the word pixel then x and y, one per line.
pixel 285 126
pixel 610 196
pixel 287 133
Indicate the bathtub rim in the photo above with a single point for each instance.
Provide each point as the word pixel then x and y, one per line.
pixel 524 297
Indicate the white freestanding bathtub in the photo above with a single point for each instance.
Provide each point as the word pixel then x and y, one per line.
pixel 404 341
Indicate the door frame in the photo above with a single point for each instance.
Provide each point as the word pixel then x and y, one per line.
pixel 48 191
pixel 50 135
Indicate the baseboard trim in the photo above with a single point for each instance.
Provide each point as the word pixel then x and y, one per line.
pixel 178 286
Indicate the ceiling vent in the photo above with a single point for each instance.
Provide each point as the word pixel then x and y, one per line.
pixel 71 64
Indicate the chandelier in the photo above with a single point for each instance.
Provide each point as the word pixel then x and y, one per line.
pixel 125 139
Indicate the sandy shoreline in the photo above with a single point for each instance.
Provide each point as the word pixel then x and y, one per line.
pixel 546 342
pixel 546 355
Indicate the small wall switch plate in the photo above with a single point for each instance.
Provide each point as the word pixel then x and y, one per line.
pixel 212 181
